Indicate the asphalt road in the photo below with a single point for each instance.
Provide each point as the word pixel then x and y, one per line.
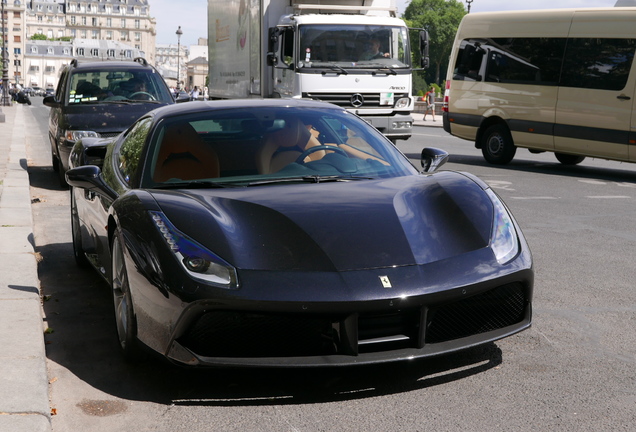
pixel 574 370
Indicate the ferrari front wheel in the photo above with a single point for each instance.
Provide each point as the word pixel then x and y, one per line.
pixel 123 304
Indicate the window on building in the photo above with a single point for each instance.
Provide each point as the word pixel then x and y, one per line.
pixel 137 24
pixel 95 52
pixel 109 35
pixel 80 51
pixel 109 22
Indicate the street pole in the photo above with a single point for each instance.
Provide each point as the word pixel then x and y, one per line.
pixel 179 33
pixel 469 2
pixel 5 61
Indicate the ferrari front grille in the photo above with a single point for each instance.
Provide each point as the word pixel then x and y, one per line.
pixel 491 310
pixel 253 335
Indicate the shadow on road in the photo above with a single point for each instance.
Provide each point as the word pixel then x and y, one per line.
pixel 618 174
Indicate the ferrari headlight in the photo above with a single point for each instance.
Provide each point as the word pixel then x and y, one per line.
pixel 76 135
pixel 504 241
pixel 195 259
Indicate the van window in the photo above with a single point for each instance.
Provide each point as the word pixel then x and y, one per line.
pixel 534 61
pixel 598 63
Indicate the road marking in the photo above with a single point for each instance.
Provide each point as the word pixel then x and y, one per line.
pixel 536 198
pixel 594 182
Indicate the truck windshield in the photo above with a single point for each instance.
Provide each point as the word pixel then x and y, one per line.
pixel 353 46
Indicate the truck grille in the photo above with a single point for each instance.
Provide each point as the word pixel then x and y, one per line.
pixel 353 100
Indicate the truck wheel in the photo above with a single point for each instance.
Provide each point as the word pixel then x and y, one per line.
pixel 568 159
pixel 497 145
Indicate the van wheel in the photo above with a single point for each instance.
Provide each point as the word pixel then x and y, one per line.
pixel 497 145
pixel 568 159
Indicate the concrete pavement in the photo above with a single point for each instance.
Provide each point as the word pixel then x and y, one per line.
pixel 24 387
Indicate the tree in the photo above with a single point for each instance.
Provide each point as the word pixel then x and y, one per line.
pixel 441 19
pixel 38 36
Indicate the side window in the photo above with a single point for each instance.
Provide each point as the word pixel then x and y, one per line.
pixel 61 86
pixel 468 66
pixel 596 63
pixel 526 60
pixel 131 148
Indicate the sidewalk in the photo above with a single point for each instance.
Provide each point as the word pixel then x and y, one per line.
pixel 417 120
pixel 24 389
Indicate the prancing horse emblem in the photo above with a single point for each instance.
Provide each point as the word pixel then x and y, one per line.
pixel 386 283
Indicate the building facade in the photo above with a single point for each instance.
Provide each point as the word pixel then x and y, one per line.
pixel 12 29
pixel 43 59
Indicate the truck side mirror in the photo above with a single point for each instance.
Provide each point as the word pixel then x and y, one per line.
pixel 424 60
pixel 272 45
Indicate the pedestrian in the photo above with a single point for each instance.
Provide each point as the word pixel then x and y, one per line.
pixel 194 94
pixel 429 99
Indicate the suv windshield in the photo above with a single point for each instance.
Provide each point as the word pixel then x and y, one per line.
pixel 353 46
pixel 112 85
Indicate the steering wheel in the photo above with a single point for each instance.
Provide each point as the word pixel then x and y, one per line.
pixel 301 159
pixel 151 97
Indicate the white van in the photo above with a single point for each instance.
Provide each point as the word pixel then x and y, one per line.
pixel 560 80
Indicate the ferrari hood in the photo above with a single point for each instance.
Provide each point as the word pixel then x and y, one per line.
pixel 338 225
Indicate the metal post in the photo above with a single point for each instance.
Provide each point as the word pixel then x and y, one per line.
pixel 469 2
pixel 179 33
pixel 5 62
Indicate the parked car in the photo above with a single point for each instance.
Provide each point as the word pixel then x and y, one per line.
pixel 100 99
pixel 291 233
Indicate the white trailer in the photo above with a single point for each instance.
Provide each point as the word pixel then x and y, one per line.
pixel 316 49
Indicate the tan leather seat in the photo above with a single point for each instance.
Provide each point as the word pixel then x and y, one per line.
pixel 184 155
pixel 283 146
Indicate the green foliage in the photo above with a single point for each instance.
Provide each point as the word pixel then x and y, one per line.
pixel 38 36
pixel 441 19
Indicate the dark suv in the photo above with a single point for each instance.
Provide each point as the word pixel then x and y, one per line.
pixel 100 99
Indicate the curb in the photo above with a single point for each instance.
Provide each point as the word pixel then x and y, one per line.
pixel 24 389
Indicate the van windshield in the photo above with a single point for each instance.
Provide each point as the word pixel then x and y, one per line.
pixel 107 86
pixel 353 46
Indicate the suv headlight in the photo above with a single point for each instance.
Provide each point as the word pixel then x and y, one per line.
pixel 503 242
pixel 196 260
pixel 76 135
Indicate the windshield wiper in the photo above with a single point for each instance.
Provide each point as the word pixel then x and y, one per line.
pixel 336 68
pixel 387 70
pixel 309 179
pixel 194 184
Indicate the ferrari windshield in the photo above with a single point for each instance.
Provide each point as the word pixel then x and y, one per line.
pixel 351 46
pixel 265 145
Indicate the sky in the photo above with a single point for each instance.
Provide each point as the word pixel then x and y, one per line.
pixel 192 16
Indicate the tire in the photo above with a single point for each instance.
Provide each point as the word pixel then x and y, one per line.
pixel 497 145
pixel 568 159
pixel 61 174
pixel 55 163
pixel 122 301
pixel 78 249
